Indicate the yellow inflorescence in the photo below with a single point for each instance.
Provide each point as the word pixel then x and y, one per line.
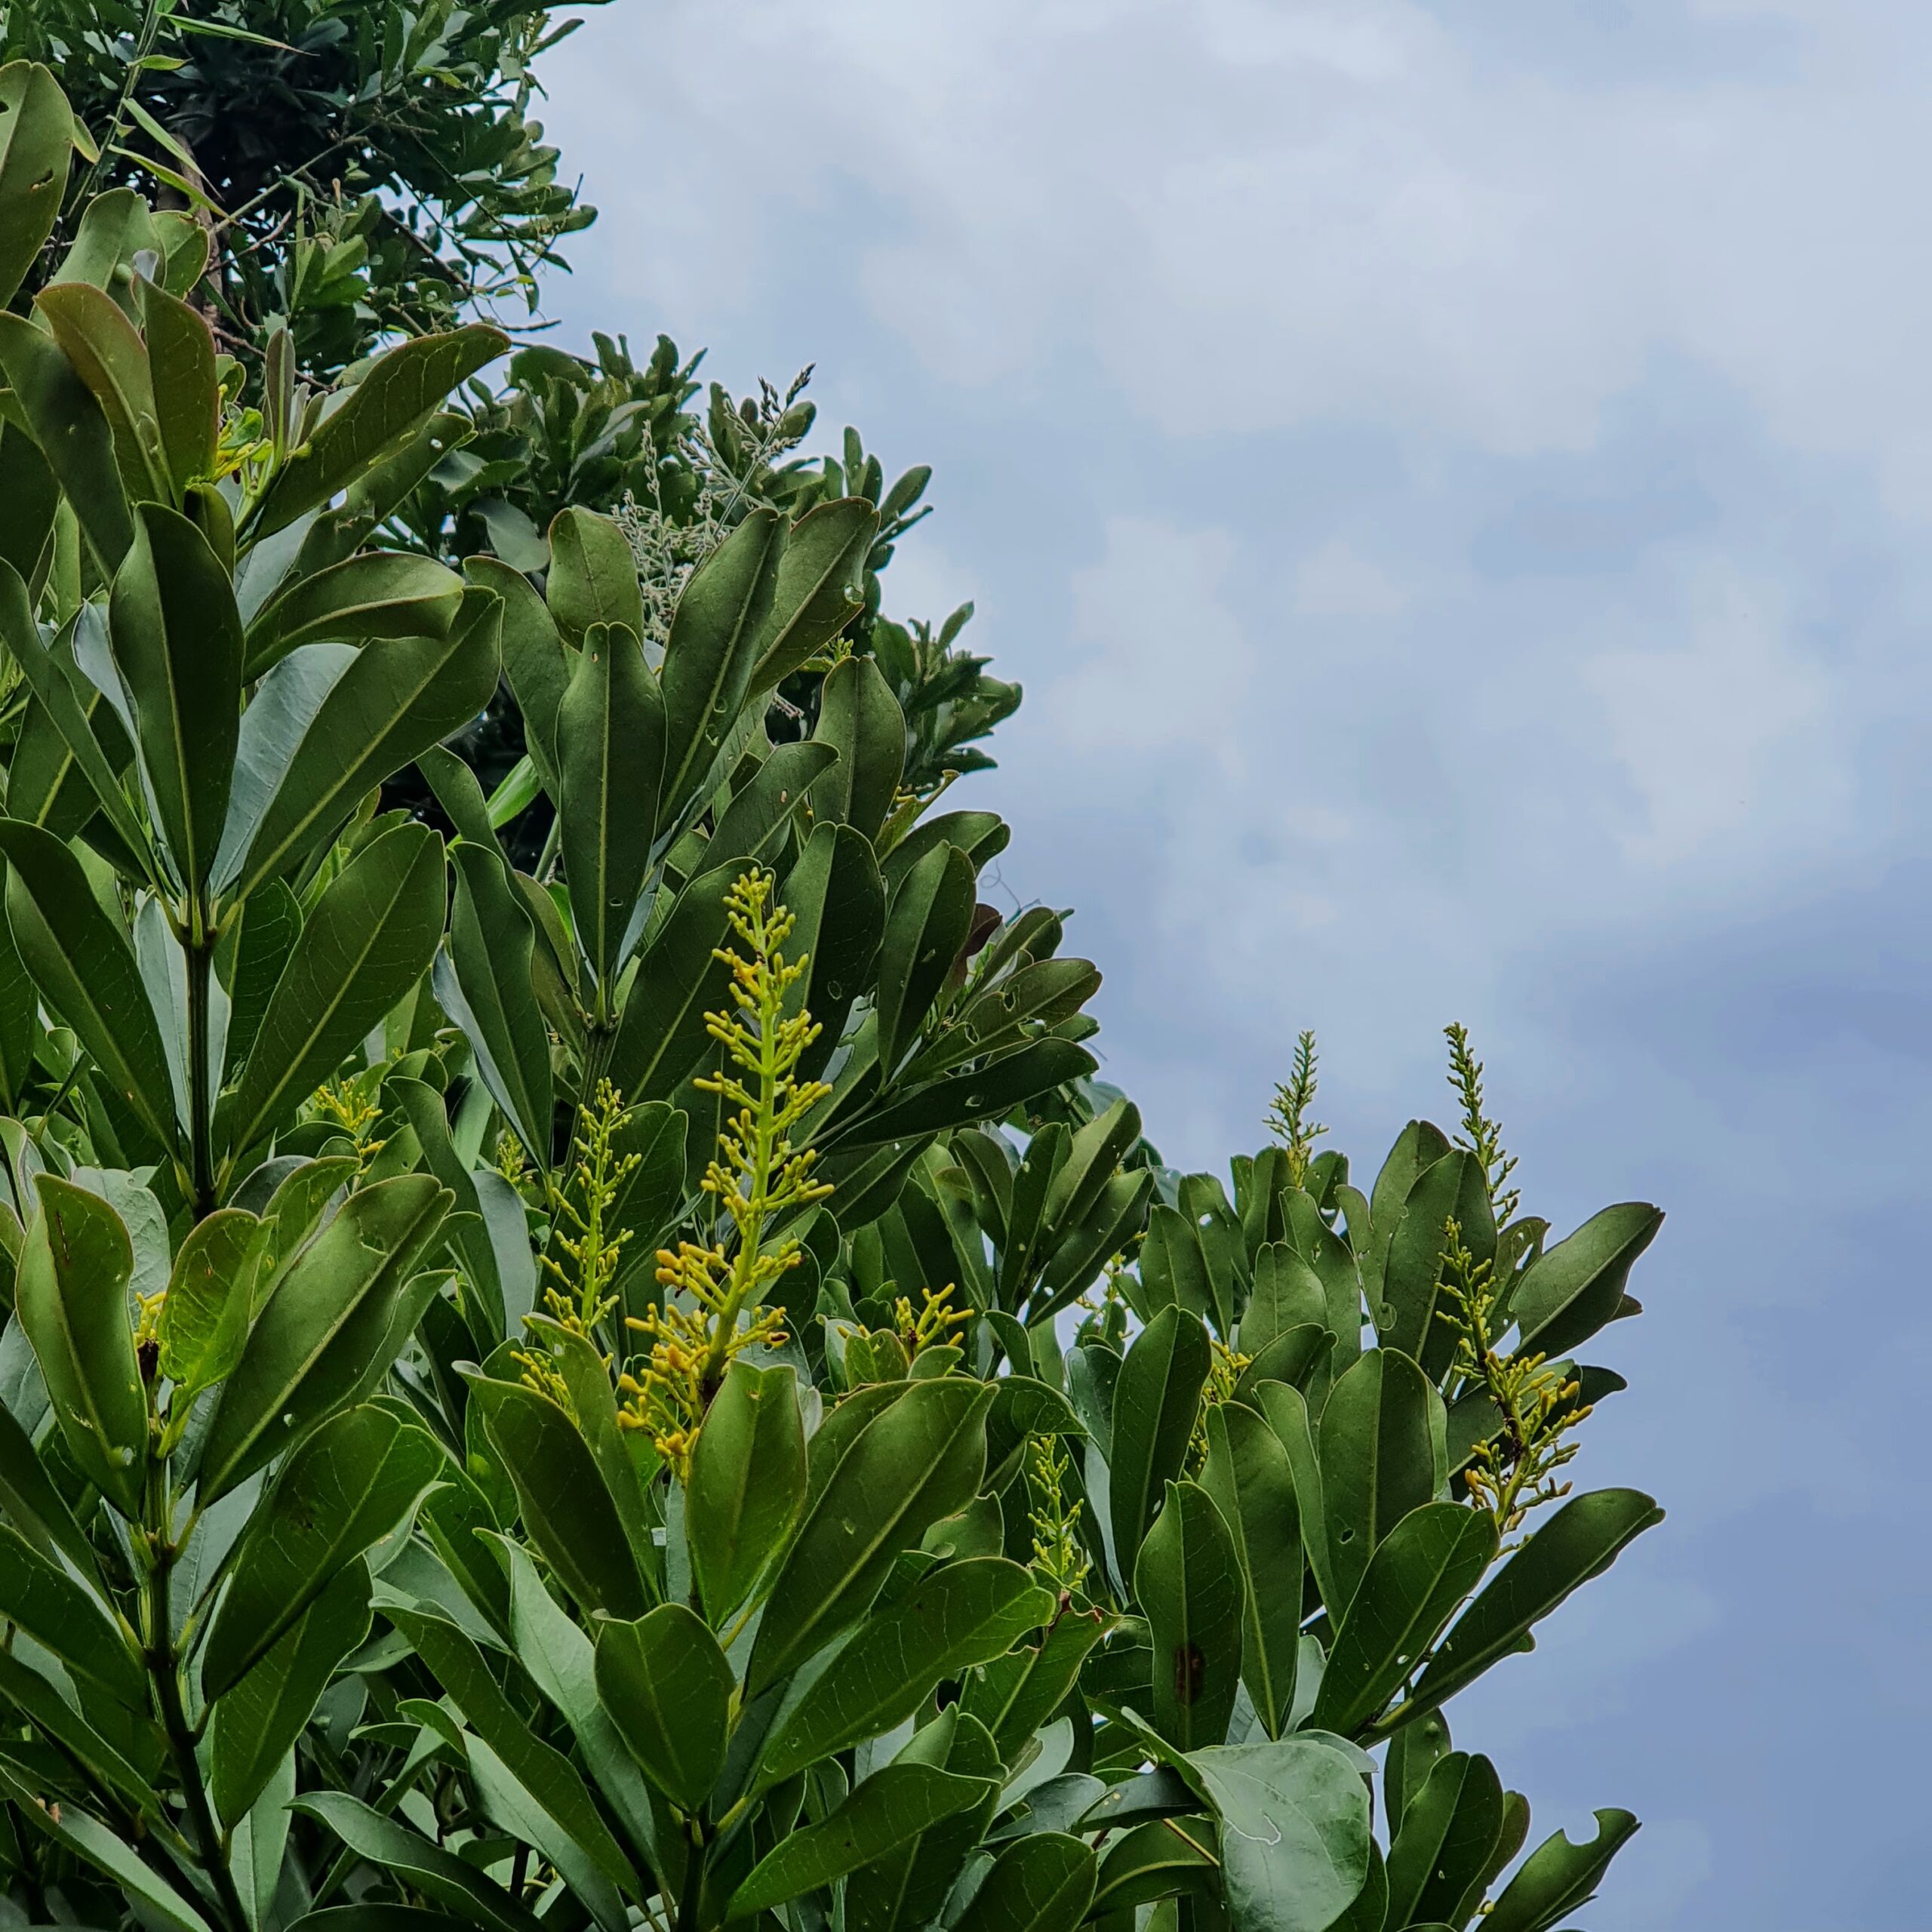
pixel 344 1104
pixel 932 1327
pixel 1057 1553
pixel 1224 1371
pixel 757 1174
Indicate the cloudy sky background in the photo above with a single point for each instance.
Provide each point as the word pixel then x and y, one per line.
pixel 1455 482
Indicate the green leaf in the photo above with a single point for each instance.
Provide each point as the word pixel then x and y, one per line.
pixel 1151 1861
pixel 29 504
pixel 1294 1836
pixel 389 702
pixel 535 660
pixel 1285 1411
pixel 890 1807
pixel 252 962
pixel 1558 1877
pixel 370 937
pixel 177 641
pixel 611 731
pixel 861 720
pixel 187 392
pixel 754 825
pixel 71 1293
pixel 484 983
pixel 916 1461
pixel 567 1506
pixel 35 143
pixel 106 351
pixel 820 588
pixel 326 1335
pixel 668 1689
pixel 593 579
pixel 662 1035
pixel 1041 1883
pixel 51 1607
pixel 984 1094
pixel 1572 1290
pixel 1287 1294
pixel 1419 1572
pixel 35 1506
pixel 1455 1187
pixel 375 419
pixel 926 928
pixel 358 1476
pixel 257 1721
pixel 958 1615
pixel 73 434
pixel 53 1712
pixel 377 594
pixel 1248 1476
pixel 708 658
pixel 1443 1852
pixel 1189 1585
pixel 426 1868
pixel 835 893
pixel 210 1297
pixel 1579 1541
pixel 747 1484
pixel 1156 1401
pixel 1379 1429
pixel 455 787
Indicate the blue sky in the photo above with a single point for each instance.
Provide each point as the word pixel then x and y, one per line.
pixel 1454 482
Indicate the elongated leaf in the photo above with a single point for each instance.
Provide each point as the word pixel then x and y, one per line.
pixel 926 927
pixel 1420 1573
pixel 712 648
pixel 400 393
pixel 985 1093
pixel 859 718
pixel 1572 1290
pixel 370 937
pixel 375 594
pixel 592 577
pixel 177 641
pixel 1379 1429
pixel 567 1506
pixel 72 1295
pixel 1041 1883
pixel 1156 1401
pixel 890 1807
pixel 427 1868
pixel 1579 1541
pixel 747 1483
pixel 390 701
pixel 81 961
pixel 492 941
pixel 187 393
pixel 668 1689
pixel 917 1460
pixel 1189 1584
pixel 39 1596
pixel 53 1713
pixel 535 659
pixel 962 1614
pixel 73 434
pixel 610 745
pixel 1294 1836
pixel 326 1334
pixel 34 1506
pixel 1448 1838
pixel 1558 1877
pixel 662 1035
pixel 1248 1476
pixel 754 825
pixel 36 144
pixel 260 1718
pixel 820 588
pixel 835 893
pixel 1454 1188
pixel 106 351
pixel 356 1479
pixel 210 1297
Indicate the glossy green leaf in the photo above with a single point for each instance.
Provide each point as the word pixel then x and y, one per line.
pixel 1188 1582
pixel 1248 1476
pixel 890 1807
pixel 71 1293
pixel 349 1485
pixel 713 645
pixel 211 1297
pixel 187 392
pixel 370 938
pixel 859 719
pixel 747 1483
pixel 1577 1542
pixel 81 961
pixel 177 642
pixel 1442 1853
pixel 1379 1428
pixel 326 1335
pixel 835 893
pixel 1572 1290
pixel 1042 1883
pixel 592 578
pixel 662 1035
pixel 754 826
pixel 1454 1188
pixel 35 145
pixel 1287 1294
pixel 1285 1411
pixel 668 1689
pixel 1156 1401
pixel 40 1597
pixel 375 594
pixel 252 961
pixel 917 1460
pixel 959 1615
pixel 484 983
pixel 567 1506
pixel 1559 1877
pixel 106 351
pixel 1419 1574
pixel 29 506
pixel 32 1503
pixel 983 1093
pixel 1294 1831
pixel 258 1720
pixel 926 927
pixel 535 659
pixel 819 588
pixel 1154 1860
pixel 377 418
pixel 388 702
pixel 611 732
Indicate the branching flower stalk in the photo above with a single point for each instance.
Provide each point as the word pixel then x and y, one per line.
pixel 1057 1553
pixel 1224 1371
pixel 1288 1113
pixel 1514 1471
pixel 1480 1134
pixel 758 1177
pixel 932 1326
